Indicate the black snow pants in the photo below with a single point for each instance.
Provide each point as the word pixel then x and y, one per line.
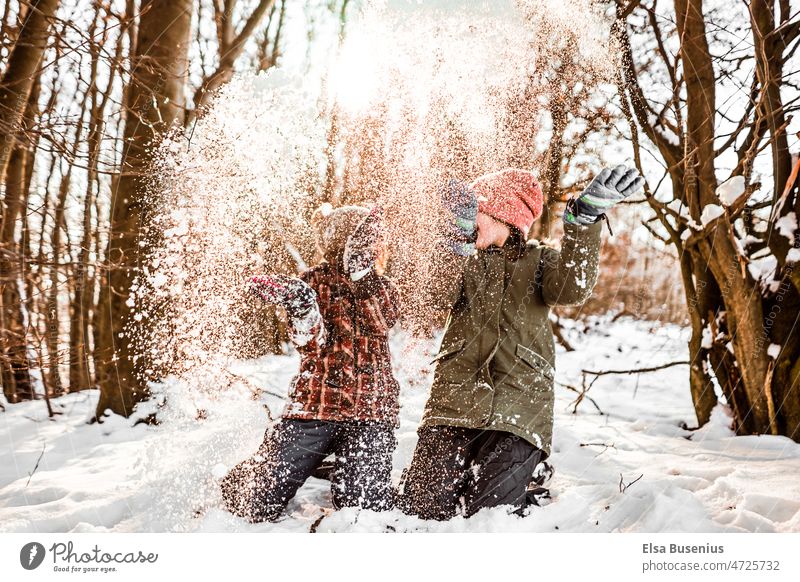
pixel 469 469
pixel 260 487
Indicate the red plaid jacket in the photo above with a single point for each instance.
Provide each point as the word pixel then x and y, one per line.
pixel 346 372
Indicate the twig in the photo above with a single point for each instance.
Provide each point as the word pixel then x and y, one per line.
pixel 558 332
pixel 637 371
pixel 315 525
pixel 623 487
pixel 622 313
pixel 36 466
pixel 611 446
pixel 773 425
pixel 256 390
pixel 581 395
pixel 191 135
pixel 604 445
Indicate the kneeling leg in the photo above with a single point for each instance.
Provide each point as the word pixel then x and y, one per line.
pixel 259 488
pixel 502 464
pixel 436 476
pixel 362 476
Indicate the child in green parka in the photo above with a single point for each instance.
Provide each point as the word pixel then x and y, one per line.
pixel 489 418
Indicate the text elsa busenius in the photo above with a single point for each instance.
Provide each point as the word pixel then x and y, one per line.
pixel 650 548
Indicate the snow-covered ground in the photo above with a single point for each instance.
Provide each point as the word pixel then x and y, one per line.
pixel 118 477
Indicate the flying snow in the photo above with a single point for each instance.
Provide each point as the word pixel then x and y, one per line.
pixel 406 104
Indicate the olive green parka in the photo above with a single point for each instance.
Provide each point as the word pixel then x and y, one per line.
pixel 495 368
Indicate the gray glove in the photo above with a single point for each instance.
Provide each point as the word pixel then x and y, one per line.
pixel 606 190
pixel 462 203
pixel 300 302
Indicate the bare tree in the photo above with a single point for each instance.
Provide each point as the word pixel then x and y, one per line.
pixel 16 87
pixel 154 102
pixel 230 45
pixel 21 73
pixel 82 302
pixel 744 318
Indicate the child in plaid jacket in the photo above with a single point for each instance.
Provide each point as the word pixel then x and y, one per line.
pixel 344 399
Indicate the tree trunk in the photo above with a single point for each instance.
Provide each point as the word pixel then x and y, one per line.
pixel 700 385
pixel 768 52
pixel 82 303
pixel 717 250
pixel 155 103
pixel 53 324
pixel 784 305
pixel 17 383
pixel 783 309
pixel 21 73
pixel 553 168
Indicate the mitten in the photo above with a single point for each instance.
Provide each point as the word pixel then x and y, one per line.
pixel 606 190
pixel 462 203
pixel 299 300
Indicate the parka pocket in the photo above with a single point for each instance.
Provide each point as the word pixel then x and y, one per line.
pixel 449 352
pixel 535 361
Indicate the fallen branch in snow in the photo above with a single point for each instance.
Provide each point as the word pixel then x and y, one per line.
pixel 773 426
pixel 558 332
pixel 34 419
pixel 256 390
pixel 637 371
pixel 623 487
pixel 315 525
pixel 622 313
pixel 581 395
pixel 604 445
pixel 36 466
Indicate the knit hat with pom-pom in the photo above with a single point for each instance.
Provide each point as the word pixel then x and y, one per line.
pixel 333 226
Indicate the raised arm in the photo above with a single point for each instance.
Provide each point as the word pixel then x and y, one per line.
pixel 569 276
pixel 377 304
pixel 306 328
pixel 458 233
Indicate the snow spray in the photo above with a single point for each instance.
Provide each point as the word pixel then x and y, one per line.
pixel 409 100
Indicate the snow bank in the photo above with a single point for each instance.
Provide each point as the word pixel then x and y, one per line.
pixel 115 477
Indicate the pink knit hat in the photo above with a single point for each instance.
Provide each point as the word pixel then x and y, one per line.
pixel 512 196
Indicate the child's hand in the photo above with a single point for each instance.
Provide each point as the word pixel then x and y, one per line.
pixel 300 302
pixel 605 191
pixel 360 251
pixel 291 293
